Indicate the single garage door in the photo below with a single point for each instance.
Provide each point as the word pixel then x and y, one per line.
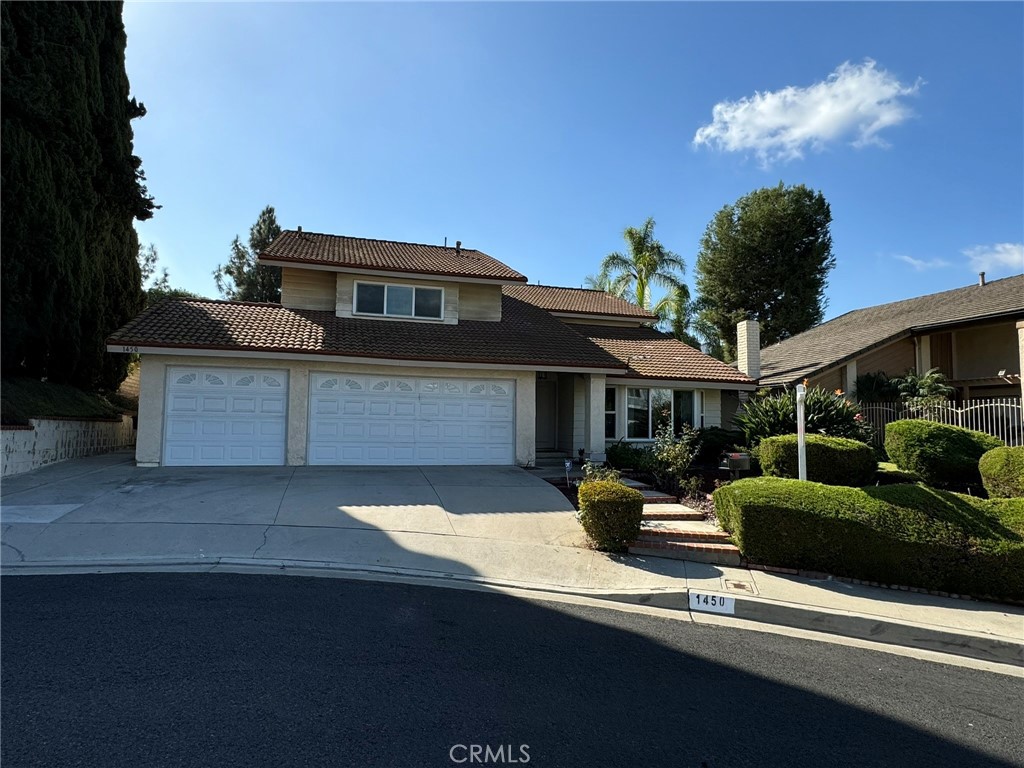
pixel 404 420
pixel 225 417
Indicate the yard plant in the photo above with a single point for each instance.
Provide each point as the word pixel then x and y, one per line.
pixel 610 514
pixel 1002 472
pixel 941 454
pixel 830 460
pixel 895 534
pixel 825 413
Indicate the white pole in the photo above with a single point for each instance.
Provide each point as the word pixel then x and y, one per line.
pixel 801 442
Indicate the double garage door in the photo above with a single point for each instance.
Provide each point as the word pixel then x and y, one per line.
pixel 234 416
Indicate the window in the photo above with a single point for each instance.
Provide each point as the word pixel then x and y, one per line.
pixel 399 301
pixel 648 410
pixel 609 413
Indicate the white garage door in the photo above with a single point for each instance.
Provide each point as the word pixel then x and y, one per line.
pixel 377 420
pixel 225 417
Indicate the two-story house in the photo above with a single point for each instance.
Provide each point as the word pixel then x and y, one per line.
pixel 393 353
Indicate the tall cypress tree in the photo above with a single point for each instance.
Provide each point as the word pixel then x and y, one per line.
pixel 71 188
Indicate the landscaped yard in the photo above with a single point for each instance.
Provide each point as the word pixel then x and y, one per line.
pixel 23 399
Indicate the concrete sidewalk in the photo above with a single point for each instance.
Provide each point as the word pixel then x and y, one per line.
pixel 498 527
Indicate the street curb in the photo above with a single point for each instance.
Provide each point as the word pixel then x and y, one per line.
pixel 944 640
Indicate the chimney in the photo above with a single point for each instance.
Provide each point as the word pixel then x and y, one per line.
pixel 981 278
pixel 458 247
pixel 748 348
pixel 300 228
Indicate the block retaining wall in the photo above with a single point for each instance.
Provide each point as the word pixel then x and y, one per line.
pixel 48 441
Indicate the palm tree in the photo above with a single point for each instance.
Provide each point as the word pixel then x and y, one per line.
pixel 648 264
pixel 617 286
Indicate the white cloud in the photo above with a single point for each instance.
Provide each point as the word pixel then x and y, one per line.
pixel 921 265
pixel 856 102
pixel 995 259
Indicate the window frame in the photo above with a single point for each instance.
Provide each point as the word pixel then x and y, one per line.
pixel 413 316
pixel 651 430
pixel 614 412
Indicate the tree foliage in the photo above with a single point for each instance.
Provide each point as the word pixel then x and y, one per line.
pixel 766 258
pixel 71 188
pixel 243 278
pixel 617 286
pixel 156 281
pixel 646 264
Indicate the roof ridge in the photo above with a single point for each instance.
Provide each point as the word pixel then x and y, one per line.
pixel 376 240
pixel 987 284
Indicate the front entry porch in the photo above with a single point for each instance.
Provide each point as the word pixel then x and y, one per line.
pixel 570 415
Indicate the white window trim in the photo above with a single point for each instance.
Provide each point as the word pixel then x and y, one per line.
pixel 697 393
pixel 413 316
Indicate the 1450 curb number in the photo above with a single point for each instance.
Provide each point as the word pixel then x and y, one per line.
pixel 712 603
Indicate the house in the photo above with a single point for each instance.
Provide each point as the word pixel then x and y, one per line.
pixel 974 335
pixel 384 352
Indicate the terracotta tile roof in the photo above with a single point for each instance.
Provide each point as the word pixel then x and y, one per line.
pixel 581 301
pixel 526 335
pixel 649 353
pixel 846 336
pixel 387 255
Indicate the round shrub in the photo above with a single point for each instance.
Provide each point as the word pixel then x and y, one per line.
pixel 830 460
pixel 1002 472
pixel 610 513
pixel 939 453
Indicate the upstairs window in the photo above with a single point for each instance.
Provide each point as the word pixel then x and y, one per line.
pixel 399 301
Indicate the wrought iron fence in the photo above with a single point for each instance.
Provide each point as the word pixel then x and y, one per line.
pixel 999 416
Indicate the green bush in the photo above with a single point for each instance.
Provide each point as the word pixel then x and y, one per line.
pixel 830 460
pixel 941 454
pixel 593 472
pixel 622 455
pixel 712 442
pixel 896 534
pixel 889 474
pixel 825 413
pixel 610 513
pixel 1002 472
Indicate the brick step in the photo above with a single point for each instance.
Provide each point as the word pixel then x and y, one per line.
pixel 657 497
pixel 681 534
pixel 671 512
pixel 699 552
pixel 631 483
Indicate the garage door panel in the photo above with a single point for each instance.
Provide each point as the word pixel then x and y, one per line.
pixel 222 417
pixel 407 420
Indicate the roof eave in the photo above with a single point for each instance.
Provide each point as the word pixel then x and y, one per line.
pixel 333 266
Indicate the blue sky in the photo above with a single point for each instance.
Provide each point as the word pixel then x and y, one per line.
pixel 536 132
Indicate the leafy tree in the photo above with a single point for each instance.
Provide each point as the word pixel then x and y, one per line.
pixel 646 264
pixel 71 188
pixel 616 286
pixel 766 258
pixel 928 385
pixel 159 285
pixel 876 387
pixel 243 278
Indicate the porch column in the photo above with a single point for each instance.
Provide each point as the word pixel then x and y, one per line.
pixel 594 430
pixel 850 387
pixel 1020 356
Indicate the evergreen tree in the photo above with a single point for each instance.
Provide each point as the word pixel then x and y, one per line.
pixel 243 278
pixel 71 188
pixel 766 258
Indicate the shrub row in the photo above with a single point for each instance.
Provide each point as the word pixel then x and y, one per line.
pixel 941 454
pixel 1002 472
pixel 895 534
pixel 830 460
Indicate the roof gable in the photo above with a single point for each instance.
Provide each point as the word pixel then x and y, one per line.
pixel 297 247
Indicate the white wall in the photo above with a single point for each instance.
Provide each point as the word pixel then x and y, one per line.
pixel 53 440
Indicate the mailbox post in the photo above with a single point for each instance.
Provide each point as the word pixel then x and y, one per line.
pixel 801 437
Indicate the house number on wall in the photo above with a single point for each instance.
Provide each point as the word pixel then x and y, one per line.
pixel 712 603
pixel 131 350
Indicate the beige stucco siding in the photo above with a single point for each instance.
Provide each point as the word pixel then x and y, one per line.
pixel 479 302
pixel 307 288
pixel 980 353
pixel 153 378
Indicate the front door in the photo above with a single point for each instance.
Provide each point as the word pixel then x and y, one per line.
pixel 547 414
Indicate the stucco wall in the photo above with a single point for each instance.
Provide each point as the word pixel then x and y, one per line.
pixel 154 377
pixel 980 353
pixel 479 302
pixel 53 440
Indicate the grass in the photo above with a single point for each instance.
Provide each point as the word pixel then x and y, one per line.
pixel 23 399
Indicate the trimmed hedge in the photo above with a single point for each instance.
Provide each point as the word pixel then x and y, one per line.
pixel 1002 472
pixel 939 453
pixel 889 474
pixel 830 460
pixel 896 534
pixel 610 513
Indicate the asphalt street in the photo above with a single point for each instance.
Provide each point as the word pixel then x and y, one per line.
pixel 226 670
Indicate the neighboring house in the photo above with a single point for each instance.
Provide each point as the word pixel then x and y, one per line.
pixel 974 335
pixel 395 353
